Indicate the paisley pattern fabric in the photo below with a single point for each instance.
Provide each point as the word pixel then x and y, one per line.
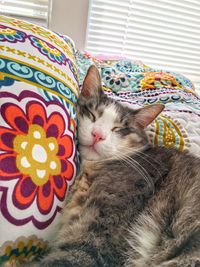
pixel 38 93
pixel 137 85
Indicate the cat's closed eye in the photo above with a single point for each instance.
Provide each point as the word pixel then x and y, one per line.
pixel 92 116
pixel 115 129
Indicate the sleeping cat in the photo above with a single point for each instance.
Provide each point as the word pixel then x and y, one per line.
pixel 133 204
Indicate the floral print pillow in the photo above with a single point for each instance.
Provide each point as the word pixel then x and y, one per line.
pixel 38 157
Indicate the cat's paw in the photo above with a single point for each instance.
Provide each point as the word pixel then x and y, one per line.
pixel 83 184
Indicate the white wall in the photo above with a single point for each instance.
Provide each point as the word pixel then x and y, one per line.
pixel 70 17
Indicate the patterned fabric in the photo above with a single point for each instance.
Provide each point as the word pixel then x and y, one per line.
pixel 38 91
pixel 23 249
pixel 135 84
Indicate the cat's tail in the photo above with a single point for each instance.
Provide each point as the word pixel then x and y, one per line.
pixel 155 242
pixel 143 238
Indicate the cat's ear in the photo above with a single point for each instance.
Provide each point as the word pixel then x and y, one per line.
pixel 146 115
pixel 92 83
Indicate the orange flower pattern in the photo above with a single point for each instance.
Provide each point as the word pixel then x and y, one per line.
pixel 38 154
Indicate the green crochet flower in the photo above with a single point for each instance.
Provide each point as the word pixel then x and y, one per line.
pixel 115 80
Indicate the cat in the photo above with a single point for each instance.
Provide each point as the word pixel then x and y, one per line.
pixel 133 204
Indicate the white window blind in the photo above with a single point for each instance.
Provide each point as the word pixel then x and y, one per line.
pixel 33 10
pixel 161 33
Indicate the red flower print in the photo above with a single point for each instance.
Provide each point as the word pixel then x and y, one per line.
pixel 37 153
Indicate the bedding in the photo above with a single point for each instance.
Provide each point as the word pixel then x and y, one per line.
pixel 136 84
pixel 38 156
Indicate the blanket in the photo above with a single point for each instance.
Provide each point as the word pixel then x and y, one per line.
pixel 136 84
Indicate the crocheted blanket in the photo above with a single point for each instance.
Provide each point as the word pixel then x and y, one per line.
pixel 136 84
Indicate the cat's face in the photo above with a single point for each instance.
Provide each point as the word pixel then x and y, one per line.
pixel 106 128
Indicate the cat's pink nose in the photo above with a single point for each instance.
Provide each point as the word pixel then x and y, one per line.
pixel 97 136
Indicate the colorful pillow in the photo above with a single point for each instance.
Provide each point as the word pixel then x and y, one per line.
pixel 135 84
pixel 38 157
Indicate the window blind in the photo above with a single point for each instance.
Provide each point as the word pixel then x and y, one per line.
pixel 161 33
pixel 32 10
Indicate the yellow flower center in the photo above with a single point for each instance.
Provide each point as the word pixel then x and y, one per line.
pixel 37 155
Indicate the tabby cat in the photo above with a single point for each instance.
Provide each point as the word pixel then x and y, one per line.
pixel 133 204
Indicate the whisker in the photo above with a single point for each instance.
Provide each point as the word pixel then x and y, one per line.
pixel 134 164
pixel 147 176
pixel 144 157
pixel 125 156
